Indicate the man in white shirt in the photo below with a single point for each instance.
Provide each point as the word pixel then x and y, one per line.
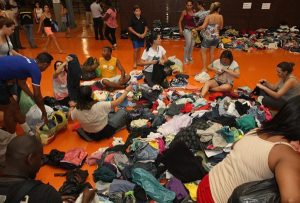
pixel 97 19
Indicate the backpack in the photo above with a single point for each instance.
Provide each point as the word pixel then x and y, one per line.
pixel 89 68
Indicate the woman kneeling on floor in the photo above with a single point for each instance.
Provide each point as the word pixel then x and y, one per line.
pixel 96 118
pixel 226 70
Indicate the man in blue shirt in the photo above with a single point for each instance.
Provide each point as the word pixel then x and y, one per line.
pixel 16 69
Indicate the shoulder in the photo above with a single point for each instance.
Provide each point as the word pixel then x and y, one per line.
pixel 234 64
pixel 45 193
pixel 162 49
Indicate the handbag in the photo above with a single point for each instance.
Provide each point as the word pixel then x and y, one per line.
pixel 54 26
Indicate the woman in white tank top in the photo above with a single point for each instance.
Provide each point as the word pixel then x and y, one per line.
pixel 38 12
pixel 271 151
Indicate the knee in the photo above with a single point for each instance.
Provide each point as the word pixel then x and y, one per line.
pixel 227 88
pixel 127 77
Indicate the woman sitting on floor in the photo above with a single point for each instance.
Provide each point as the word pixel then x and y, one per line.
pixel 288 86
pixel 153 54
pixel 96 118
pixel 226 70
pixel 268 152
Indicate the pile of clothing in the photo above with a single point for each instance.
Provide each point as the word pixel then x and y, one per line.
pixel 284 37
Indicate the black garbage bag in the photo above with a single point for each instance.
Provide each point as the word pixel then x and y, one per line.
pixel 265 191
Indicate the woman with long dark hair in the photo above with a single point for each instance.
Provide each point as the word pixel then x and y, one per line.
pixel 47 23
pixel 275 95
pixel 96 118
pixel 187 16
pixel 153 54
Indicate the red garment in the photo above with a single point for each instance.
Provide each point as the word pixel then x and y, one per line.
pixel 188 107
pixel 203 193
pixel 205 107
pixel 155 105
pixel 214 95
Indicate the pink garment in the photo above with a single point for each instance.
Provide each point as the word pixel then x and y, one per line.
pixel 96 156
pixel 60 86
pixel 112 19
pixel 267 112
pixel 161 145
pixel 75 156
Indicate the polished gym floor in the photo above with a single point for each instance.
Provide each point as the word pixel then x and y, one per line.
pixel 253 66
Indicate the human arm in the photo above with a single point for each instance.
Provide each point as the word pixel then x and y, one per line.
pixel 14 53
pixel 107 14
pixel 234 73
pixel 277 94
pixel 204 25
pixel 34 15
pixel 183 13
pixel 120 67
pixel 62 67
pixel 36 96
pixel 41 23
pixel 285 163
pixel 221 23
pixel 121 98
pixel 264 82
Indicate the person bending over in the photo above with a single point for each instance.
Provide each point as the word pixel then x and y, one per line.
pixel 226 70
pixel 95 117
pixel 288 86
pixel 108 69
pixel 20 68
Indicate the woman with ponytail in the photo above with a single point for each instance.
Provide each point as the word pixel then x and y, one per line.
pixel 276 95
pixel 153 54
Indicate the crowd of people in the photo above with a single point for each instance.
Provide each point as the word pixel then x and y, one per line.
pixel 269 151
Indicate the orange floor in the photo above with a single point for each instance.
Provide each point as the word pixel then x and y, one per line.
pixel 253 66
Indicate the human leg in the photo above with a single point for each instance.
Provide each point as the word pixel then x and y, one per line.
pixel 188 41
pixel 203 56
pixel 208 85
pixel 96 28
pixel 222 88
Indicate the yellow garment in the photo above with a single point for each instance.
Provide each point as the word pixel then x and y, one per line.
pixel 226 40
pixel 192 188
pixel 154 144
pixel 108 69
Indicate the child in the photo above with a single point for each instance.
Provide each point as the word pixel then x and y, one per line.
pixel 138 30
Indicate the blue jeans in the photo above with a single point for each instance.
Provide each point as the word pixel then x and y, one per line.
pixel 189 44
pixel 28 29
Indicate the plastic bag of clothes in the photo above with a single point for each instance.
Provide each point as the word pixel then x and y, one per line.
pixel 34 116
pixel 178 66
pixel 265 191
pixel 152 187
pixel 25 102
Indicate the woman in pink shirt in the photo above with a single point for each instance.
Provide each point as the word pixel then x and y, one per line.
pixel 110 19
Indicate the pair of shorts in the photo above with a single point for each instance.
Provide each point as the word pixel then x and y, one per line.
pixel 207 43
pixel 220 82
pixel 138 44
pixel 48 31
pixel 5 93
pixel 114 79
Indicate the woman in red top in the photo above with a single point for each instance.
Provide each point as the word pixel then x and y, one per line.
pixel 187 16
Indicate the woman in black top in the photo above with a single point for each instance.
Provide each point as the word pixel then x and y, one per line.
pixel 46 20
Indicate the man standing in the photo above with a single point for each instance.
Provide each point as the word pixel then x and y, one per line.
pixel 26 18
pixel 97 19
pixel 17 69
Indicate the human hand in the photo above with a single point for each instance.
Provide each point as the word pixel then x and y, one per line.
pixel 181 32
pixel 88 195
pixel 260 86
pixel 69 58
pixel 262 81
pixel 45 118
pixel 129 88
pixel 154 62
